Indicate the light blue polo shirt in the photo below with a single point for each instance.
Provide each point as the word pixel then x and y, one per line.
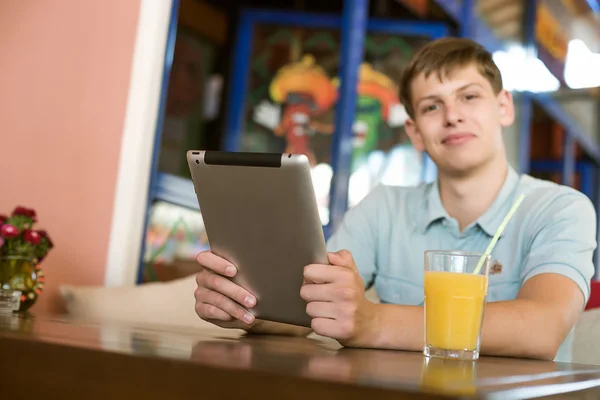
pixel 554 231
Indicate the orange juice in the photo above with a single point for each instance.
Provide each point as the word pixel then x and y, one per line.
pixel 449 376
pixel 454 305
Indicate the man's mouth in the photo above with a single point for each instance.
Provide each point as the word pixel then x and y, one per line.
pixel 457 138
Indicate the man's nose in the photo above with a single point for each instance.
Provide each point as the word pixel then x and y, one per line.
pixel 453 115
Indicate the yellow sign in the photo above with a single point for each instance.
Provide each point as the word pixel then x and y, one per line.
pixel 549 34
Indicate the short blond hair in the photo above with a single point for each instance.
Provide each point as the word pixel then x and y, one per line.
pixel 441 57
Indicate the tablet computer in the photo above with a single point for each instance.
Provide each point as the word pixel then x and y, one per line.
pixel 260 213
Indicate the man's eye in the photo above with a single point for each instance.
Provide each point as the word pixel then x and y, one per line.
pixel 431 107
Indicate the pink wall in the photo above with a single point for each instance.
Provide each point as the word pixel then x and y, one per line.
pixel 64 79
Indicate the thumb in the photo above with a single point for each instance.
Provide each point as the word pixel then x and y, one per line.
pixel 342 258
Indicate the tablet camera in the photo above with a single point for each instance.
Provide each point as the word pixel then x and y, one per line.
pixel 197 161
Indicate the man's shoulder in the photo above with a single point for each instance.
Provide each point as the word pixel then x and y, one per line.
pixel 546 197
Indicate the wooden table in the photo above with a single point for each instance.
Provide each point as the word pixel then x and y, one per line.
pixel 47 358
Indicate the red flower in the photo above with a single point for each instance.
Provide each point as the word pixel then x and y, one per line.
pixel 44 234
pixel 3 219
pixel 32 237
pixel 9 231
pixel 27 212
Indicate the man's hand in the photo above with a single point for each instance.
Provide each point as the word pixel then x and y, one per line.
pixel 218 299
pixel 336 301
pixel 225 304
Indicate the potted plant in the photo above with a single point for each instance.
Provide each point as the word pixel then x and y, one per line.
pixel 22 249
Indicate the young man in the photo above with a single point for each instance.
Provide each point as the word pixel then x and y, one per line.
pixel 453 93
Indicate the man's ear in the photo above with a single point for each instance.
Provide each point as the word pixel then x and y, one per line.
pixel 507 108
pixel 414 135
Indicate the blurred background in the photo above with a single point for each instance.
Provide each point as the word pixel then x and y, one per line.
pixel 308 76
pixel 224 94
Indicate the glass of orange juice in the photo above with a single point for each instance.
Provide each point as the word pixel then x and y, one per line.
pixel 454 303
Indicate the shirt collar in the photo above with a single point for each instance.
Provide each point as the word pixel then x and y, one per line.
pixel 489 221
pixel 434 210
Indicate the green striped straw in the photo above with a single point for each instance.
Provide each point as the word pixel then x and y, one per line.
pixel 489 249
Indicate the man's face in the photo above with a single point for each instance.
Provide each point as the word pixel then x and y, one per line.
pixel 459 120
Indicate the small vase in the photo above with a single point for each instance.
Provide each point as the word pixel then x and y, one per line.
pixel 24 274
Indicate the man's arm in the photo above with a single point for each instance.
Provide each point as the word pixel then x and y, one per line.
pixel 533 325
pixel 555 275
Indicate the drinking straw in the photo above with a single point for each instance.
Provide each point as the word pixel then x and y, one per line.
pixel 505 221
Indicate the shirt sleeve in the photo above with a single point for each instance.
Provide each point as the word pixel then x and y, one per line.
pixel 564 240
pixel 358 234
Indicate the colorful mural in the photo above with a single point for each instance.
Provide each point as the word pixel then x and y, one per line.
pixel 377 104
pixel 304 91
pixel 292 91
pixel 291 104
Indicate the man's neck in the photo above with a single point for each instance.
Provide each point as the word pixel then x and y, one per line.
pixel 467 198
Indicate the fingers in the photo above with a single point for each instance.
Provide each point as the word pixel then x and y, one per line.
pixel 217 298
pixel 327 292
pixel 320 309
pixel 209 312
pixel 214 305
pixel 341 264
pixel 332 310
pixel 342 258
pixel 333 294
pixel 335 318
pixel 224 286
pixel 216 264
pixel 317 273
